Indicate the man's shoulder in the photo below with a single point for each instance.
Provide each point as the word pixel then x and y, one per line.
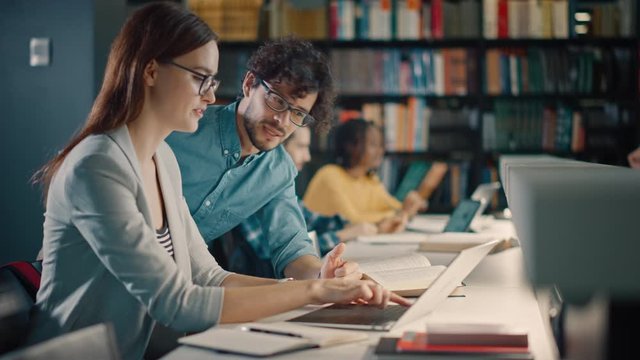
pixel 281 160
pixel 207 126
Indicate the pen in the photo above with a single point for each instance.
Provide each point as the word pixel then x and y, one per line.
pixel 272 332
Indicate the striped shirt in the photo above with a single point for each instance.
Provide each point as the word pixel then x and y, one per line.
pixel 164 238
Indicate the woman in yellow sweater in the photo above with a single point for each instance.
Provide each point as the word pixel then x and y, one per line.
pixel 352 189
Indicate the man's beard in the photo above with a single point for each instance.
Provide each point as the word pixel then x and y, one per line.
pixel 251 129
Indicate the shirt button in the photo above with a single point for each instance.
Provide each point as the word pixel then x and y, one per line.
pixel 236 155
pixel 226 152
pixel 207 203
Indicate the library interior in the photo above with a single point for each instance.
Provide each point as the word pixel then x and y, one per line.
pixel 357 179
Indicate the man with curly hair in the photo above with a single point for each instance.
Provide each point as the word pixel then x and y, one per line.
pixel 233 166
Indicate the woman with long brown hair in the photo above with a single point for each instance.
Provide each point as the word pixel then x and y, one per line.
pixel 119 243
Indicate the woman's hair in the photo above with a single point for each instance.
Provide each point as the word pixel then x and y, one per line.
pixel 160 31
pixel 299 64
pixel 349 140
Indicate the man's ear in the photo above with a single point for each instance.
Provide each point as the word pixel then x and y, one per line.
pixel 150 74
pixel 247 83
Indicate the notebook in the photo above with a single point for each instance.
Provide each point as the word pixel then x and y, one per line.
pixel 267 339
pixel 395 317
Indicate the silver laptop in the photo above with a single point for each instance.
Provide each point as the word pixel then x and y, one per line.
pixel 362 317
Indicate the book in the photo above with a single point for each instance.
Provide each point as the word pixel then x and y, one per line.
pixel 406 275
pixel 456 242
pixel 412 178
pixel 386 349
pixel 486 334
pixel 267 339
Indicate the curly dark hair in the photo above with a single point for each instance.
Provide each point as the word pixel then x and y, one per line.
pixel 299 63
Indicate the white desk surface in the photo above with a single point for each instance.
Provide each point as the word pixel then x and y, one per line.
pixel 496 291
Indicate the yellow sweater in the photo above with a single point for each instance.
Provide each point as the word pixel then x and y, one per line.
pixel 333 191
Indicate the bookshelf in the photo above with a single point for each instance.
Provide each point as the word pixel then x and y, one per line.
pixel 475 78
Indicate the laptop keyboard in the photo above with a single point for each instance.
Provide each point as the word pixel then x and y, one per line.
pixel 354 314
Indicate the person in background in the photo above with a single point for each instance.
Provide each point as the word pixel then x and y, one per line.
pixel 234 166
pixel 634 158
pixel 330 230
pixel 351 188
pixel 119 244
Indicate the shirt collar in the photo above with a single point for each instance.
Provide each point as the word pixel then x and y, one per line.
pixel 229 138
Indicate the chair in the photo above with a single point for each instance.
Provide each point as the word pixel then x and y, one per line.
pixel 93 342
pixel 19 283
pixel 234 253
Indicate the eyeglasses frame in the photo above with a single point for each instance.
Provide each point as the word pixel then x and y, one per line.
pixel 215 83
pixel 270 90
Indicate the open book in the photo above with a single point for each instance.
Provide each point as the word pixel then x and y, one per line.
pixel 267 339
pixel 406 275
pixel 443 242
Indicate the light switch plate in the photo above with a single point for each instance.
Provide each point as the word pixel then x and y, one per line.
pixel 39 51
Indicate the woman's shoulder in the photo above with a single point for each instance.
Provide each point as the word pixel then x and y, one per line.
pixel 94 147
pixel 331 170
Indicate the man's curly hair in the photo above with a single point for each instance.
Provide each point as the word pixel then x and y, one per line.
pixel 300 64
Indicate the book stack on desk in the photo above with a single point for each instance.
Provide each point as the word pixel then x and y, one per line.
pixel 447 341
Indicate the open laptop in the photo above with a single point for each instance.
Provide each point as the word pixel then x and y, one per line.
pixel 362 317
pixel 484 193
pixel 465 216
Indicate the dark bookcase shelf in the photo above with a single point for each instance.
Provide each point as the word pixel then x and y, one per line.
pixel 589 83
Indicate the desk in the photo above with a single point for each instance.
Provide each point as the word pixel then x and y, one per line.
pixel 496 291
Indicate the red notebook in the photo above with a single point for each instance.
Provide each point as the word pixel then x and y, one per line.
pixel 418 342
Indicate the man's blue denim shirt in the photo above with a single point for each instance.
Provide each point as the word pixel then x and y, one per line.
pixel 222 190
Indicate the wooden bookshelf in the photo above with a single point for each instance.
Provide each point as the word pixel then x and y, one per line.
pixel 620 109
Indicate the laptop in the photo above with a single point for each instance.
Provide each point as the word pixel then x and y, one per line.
pixel 484 193
pixel 467 214
pixel 393 317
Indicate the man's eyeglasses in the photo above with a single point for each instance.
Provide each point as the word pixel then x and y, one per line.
pixel 277 103
pixel 208 81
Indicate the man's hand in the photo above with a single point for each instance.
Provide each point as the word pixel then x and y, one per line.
pixel 335 266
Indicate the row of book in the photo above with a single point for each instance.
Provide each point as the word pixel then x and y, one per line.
pixel 449 71
pixel 249 20
pixel 536 19
pixel 403 19
pixel 533 126
pixel 416 126
pixel 584 70
pixel 230 19
pixel 452 71
pixel 606 19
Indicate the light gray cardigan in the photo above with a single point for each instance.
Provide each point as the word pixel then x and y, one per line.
pixel 102 262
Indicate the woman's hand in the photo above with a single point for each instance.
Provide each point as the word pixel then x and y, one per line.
pixel 413 203
pixel 393 224
pixel 344 291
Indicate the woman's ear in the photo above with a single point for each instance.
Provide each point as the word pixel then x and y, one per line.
pixel 247 83
pixel 150 74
